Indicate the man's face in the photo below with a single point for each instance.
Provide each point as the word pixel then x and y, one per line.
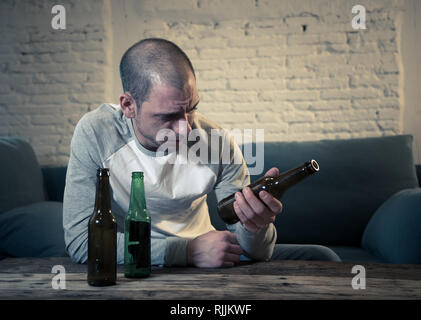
pixel 166 108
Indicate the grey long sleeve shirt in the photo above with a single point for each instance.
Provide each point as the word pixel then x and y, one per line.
pixel 175 187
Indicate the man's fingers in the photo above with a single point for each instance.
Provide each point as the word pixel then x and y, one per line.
pixel 272 172
pixel 272 203
pixel 231 237
pixel 256 205
pixel 227 264
pixel 230 257
pixel 248 211
pixel 236 249
pixel 249 225
pixel 262 213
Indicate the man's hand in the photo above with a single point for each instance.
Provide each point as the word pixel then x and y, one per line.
pixel 254 213
pixel 213 250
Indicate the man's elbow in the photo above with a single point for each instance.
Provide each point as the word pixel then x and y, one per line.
pixel 77 251
pixel 77 257
pixel 260 254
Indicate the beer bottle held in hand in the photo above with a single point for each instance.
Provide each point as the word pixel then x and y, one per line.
pixel 102 236
pixel 276 186
pixel 137 232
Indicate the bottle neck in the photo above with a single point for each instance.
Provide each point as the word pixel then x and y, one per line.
pixel 293 176
pixel 137 206
pixel 102 198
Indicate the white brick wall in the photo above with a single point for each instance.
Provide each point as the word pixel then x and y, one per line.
pixel 49 78
pixel 255 64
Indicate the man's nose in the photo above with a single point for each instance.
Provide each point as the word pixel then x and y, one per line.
pixel 182 128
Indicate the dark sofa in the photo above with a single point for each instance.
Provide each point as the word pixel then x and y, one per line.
pixel 365 203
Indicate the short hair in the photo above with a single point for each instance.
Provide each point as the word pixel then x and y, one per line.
pixel 152 61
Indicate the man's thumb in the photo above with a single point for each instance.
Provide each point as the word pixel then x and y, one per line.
pixel 273 172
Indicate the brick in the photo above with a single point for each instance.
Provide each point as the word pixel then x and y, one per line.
pixel 227 53
pixel 76 77
pixel 64 57
pixel 232 117
pixel 51 98
pixel 320 83
pixel 298 116
pixel 88 46
pixel 209 64
pixel 253 41
pixel 363 126
pixel 324 105
pixel 349 94
pixel 267 117
pixel 296 95
pixel 332 38
pixel 57 36
pixel 349 115
pixel 303 39
pixel 256 84
pixel 384 125
pixel 4 89
pixel 229 96
pixel 212 84
pixel 319 60
pixel 212 74
pixel 46 120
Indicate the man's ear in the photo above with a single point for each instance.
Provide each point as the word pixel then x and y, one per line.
pixel 128 105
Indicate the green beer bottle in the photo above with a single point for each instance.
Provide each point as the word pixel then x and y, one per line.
pixel 102 236
pixel 137 232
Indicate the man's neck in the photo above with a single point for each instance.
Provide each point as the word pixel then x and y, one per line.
pixel 142 140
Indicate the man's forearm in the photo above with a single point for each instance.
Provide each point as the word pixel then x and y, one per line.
pixel 257 246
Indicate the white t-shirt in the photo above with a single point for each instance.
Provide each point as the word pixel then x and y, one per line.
pixel 176 185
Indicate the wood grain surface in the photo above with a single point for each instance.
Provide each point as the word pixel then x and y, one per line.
pixel 31 278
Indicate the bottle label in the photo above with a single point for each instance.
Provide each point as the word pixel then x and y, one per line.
pixel 139 244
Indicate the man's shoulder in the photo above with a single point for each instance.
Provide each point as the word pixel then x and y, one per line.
pixel 105 126
pixel 105 113
pixel 106 118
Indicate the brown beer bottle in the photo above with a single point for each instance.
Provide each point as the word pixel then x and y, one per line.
pixel 102 236
pixel 276 186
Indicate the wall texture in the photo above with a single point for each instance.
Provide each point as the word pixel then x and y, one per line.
pixel 50 78
pixel 296 69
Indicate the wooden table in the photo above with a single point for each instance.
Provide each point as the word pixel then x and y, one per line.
pixel 31 278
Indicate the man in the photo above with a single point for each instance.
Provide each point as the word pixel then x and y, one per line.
pixel 160 94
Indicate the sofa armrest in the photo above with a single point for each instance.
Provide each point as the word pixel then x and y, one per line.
pixel 394 231
pixel 54 182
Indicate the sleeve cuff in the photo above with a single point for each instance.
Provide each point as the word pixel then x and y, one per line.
pixel 257 246
pixel 175 252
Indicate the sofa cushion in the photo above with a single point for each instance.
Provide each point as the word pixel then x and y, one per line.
pixel 394 231
pixel 355 254
pixel 334 206
pixel 54 180
pixel 356 176
pixel 35 230
pixel 21 180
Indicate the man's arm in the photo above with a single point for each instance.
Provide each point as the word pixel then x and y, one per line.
pixel 259 244
pixel 79 200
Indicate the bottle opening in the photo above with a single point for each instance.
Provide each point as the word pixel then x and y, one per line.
pixel 314 165
pixel 103 172
pixel 137 174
